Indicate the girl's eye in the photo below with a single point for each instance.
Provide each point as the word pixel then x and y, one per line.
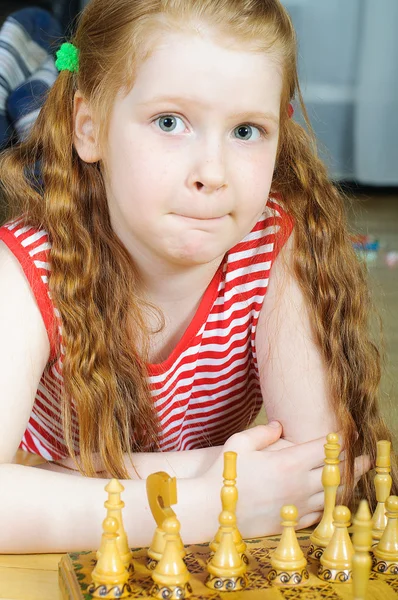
pixel 169 123
pixel 174 124
pixel 245 132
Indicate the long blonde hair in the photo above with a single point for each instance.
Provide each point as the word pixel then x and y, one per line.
pixel 93 279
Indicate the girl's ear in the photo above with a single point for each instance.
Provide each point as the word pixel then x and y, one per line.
pixel 84 130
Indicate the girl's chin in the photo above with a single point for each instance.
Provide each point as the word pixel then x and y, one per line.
pixel 199 248
pixel 197 256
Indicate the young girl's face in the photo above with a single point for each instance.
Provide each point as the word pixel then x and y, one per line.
pixel 191 150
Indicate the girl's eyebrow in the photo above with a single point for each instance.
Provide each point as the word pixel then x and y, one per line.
pixel 250 114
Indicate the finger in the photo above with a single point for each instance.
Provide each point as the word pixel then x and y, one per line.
pixel 317 501
pixel 315 487
pixel 313 453
pixel 342 440
pixel 280 445
pixel 362 465
pixel 309 519
pixel 339 495
pixel 256 438
pixel 306 456
pixel 314 481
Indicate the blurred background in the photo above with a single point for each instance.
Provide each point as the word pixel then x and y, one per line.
pixel 348 54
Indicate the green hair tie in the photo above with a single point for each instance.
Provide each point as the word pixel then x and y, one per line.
pixel 67 58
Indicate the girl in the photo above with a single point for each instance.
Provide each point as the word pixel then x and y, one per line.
pixel 175 256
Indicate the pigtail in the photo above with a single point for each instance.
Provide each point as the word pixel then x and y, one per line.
pixel 334 283
pixel 19 184
pixel 92 285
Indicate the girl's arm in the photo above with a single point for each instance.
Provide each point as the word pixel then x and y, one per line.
pixel 183 463
pixel 43 511
pixel 24 352
pixel 292 372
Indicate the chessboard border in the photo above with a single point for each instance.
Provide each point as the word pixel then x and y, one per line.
pixel 67 579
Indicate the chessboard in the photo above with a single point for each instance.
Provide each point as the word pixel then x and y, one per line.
pixel 75 576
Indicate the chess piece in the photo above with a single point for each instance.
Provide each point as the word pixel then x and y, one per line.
pixel 386 552
pixel 114 506
pixel 289 565
pixel 109 576
pixel 382 484
pixel 229 498
pixel 226 569
pixel 362 542
pixel 162 493
pixel 171 576
pixel 330 481
pixel 337 557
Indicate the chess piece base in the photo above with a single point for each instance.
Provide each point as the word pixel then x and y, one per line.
pixel 287 578
pixel 335 575
pixel 384 567
pixel 109 591
pixel 226 584
pixel 151 563
pixel 315 552
pixel 171 593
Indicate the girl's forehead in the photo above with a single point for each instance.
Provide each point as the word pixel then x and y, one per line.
pixel 182 64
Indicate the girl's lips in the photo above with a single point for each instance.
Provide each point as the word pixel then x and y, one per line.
pixel 201 218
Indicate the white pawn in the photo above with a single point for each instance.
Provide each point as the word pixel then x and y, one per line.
pixel 171 576
pixel 226 568
pixel 109 571
pixel 289 565
pixel 336 560
pixel 386 551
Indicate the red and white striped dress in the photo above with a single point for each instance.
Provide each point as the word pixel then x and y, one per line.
pixel 208 388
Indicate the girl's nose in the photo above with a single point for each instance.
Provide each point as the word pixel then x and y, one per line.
pixel 209 168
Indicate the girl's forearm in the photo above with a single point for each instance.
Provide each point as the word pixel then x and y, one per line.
pixel 182 464
pixel 43 511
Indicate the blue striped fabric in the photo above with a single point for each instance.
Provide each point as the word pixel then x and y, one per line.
pixel 28 41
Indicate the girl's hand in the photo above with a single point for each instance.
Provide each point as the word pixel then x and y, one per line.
pixel 268 480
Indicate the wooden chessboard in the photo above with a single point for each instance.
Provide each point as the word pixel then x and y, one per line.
pixel 75 576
